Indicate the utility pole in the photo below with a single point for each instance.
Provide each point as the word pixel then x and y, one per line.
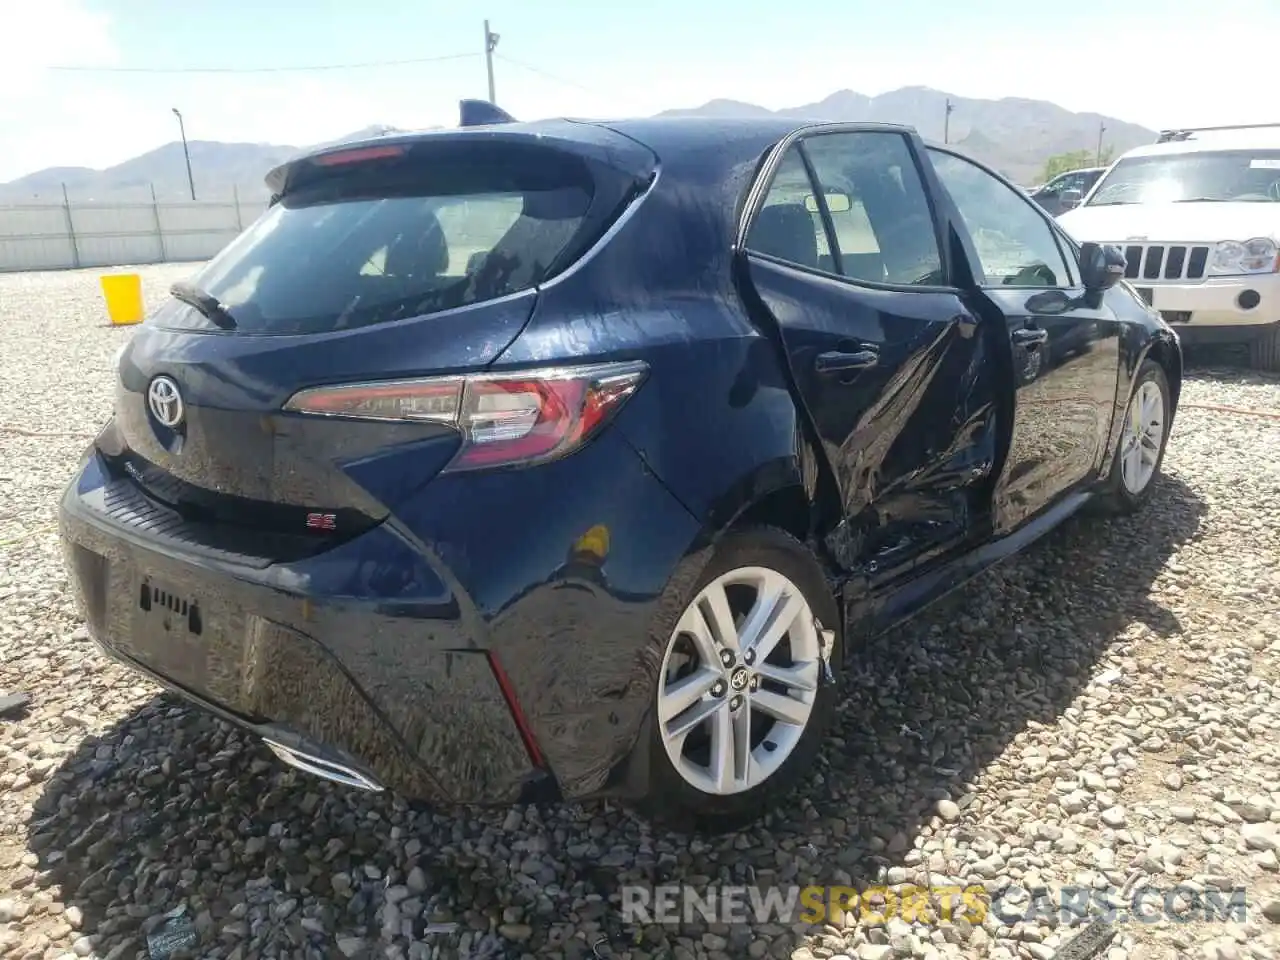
pixel 1102 128
pixel 490 41
pixel 182 127
pixel 946 123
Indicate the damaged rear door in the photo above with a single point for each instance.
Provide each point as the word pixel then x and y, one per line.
pixel 844 262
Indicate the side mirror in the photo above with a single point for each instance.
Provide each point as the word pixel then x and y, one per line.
pixel 1101 267
pixel 1070 199
pixel 837 202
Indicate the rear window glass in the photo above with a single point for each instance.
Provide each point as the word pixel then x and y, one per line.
pixel 391 239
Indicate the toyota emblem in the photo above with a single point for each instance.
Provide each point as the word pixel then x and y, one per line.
pixel 165 402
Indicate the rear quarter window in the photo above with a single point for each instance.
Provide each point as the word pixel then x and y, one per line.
pixel 393 238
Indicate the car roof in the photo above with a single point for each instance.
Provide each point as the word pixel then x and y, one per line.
pixel 692 133
pixel 673 131
pixel 1067 173
pixel 731 139
pixel 1263 138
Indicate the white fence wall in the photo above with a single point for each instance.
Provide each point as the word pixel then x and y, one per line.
pixel 43 236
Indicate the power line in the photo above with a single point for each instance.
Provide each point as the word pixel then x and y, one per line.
pixel 538 70
pixel 294 69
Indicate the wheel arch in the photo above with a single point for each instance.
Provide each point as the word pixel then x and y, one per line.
pixel 788 493
pixel 787 508
pixel 1137 345
pixel 792 502
pixel 1165 351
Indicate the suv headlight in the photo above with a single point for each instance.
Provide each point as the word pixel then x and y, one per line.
pixel 1259 255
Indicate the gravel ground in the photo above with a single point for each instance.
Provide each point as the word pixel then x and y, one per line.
pixel 1105 711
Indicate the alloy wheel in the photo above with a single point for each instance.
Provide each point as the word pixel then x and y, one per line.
pixel 739 680
pixel 1143 435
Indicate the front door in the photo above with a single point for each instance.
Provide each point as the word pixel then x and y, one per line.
pixel 1064 343
pixel 887 359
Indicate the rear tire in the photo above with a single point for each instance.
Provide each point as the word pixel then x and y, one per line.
pixel 1144 435
pixel 1264 352
pixel 742 699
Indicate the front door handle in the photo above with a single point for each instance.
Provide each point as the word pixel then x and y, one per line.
pixel 1030 337
pixel 836 361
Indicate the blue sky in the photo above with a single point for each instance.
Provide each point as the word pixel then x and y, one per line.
pixel 1156 62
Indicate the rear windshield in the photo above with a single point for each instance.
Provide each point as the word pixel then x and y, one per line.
pixel 389 239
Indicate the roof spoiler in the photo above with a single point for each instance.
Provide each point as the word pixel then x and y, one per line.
pixel 1185 133
pixel 478 113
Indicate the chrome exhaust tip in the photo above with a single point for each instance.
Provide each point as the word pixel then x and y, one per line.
pixel 320 767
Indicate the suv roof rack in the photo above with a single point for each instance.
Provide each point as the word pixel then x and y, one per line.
pixel 1184 133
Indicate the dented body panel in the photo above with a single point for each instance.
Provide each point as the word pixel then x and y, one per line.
pixel 909 442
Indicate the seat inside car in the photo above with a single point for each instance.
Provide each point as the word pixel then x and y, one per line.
pixel 786 231
pixel 548 220
pixel 419 253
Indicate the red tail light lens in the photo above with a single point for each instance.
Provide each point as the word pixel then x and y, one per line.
pixel 357 155
pixel 505 419
pixel 437 401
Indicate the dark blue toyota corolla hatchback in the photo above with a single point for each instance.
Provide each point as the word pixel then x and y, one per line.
pixel 566 459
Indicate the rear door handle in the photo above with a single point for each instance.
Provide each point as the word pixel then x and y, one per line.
pixel 836 361
pixel 1030 337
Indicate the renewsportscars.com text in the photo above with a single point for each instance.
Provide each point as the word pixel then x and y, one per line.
pixel 676 904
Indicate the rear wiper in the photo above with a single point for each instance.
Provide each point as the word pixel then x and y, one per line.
pixel 1110 203
pixel 206 303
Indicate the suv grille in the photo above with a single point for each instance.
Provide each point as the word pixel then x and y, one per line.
pixel 1157 261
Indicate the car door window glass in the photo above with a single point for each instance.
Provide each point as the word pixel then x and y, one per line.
pixel 884 230
pixel 1079 181
pixel 786 227
pixel 1015 245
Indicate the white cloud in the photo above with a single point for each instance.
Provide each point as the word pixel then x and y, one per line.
pixel 46 33
pixel 45 114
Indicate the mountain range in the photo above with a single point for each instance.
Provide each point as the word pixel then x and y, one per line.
pixel 1013 134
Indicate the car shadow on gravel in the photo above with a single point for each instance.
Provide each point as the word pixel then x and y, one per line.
pixel 934 704
pixel 171 807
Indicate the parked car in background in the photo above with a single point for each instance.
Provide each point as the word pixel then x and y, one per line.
pixel 1198 215
pixel 568 459
pixel 1066 190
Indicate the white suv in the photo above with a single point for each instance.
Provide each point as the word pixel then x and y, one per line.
pixel 1198 216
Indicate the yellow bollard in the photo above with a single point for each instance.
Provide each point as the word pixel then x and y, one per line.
pixel 123 293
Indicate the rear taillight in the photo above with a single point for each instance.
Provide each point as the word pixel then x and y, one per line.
pixel 512 418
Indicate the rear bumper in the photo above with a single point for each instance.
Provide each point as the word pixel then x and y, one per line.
pixel 378 657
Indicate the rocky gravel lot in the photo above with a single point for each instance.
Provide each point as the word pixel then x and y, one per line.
pixel 1102 712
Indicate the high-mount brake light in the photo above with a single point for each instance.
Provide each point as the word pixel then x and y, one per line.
pixel 357 155
pixel 525 417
